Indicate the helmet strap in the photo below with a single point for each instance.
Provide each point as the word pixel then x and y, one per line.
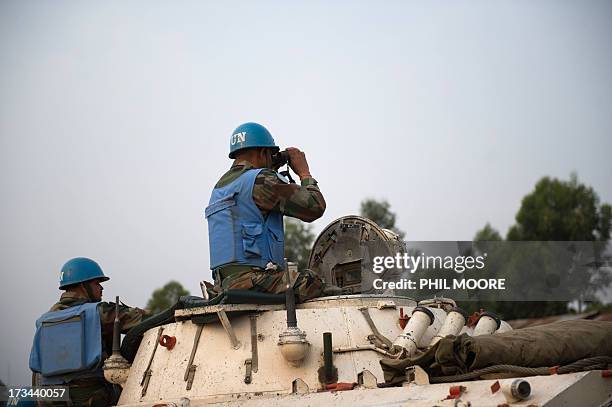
pixel 90 295
pixel 287 174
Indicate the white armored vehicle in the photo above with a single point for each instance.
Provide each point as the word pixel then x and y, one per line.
pixel 251 349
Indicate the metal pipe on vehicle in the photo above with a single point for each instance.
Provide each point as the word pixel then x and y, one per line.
pixel 421 319
pixel 290 305
pixel 328 373
pixel 116 368
pixel 454 322
pixel 293 344
pixel 516 390
pixel 328 356
pixel 116 329
pixel 487 324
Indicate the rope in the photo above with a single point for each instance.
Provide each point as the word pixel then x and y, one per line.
pixel 594 363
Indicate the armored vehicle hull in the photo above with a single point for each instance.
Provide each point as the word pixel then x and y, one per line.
pixel 328 351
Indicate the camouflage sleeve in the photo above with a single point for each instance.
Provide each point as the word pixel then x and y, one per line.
pixel 304 201
pixel 128 316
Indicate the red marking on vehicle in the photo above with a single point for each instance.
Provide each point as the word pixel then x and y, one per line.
pixel 167 342
pixel 403 319
pixel 473 319
pixel 455 392
pixel 340 386
pixel 495 387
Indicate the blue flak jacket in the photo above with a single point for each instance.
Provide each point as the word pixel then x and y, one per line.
pixel 238 233
pixel 68 344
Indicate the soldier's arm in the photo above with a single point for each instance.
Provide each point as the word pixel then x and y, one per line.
pixel 128 316
pixel 304 201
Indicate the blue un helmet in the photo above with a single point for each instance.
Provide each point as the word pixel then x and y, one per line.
pixel 79 270
pixel 249 135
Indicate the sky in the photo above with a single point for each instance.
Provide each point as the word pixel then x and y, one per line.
pixel 115 120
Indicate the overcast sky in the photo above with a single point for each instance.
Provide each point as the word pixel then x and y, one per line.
pixel 115 120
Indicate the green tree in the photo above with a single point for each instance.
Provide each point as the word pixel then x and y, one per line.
pixel 487 233
pixel 562 210
pixel 165 297
pixel 298 242
pixel 380 212
pixel 555 211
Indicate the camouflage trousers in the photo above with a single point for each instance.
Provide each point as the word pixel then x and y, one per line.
pixel 90 395
pixel 306 284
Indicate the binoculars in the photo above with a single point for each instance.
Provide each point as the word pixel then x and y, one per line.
pixel 279 159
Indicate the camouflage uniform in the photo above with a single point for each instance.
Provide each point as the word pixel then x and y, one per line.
pixel 95 392
pixel 270 193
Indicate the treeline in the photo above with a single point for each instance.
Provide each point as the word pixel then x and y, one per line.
pixel 556 210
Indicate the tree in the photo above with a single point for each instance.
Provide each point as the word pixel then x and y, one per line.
pixel 298 242
pixel 555 211
pixel 487 233
pixel 380 212
pixel 567 211
pixel 562 210
pixel 165 297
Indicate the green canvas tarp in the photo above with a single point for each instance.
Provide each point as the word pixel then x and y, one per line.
pixel 555 344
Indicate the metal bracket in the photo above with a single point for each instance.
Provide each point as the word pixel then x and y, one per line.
pixel 248 376
pixel 366 314
pixel 191 368
pixel 299 386
pixel 386 304
pixel 146 377
pixel 228 328
pixel 367 379
pixel 356 348
pixel 415 374
pixel 145 382
pixel 190 376
pixel 318 256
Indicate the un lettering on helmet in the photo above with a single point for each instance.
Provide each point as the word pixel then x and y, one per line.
pixel 239 138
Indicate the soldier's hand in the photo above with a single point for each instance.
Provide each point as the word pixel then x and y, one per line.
pixel 298 163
